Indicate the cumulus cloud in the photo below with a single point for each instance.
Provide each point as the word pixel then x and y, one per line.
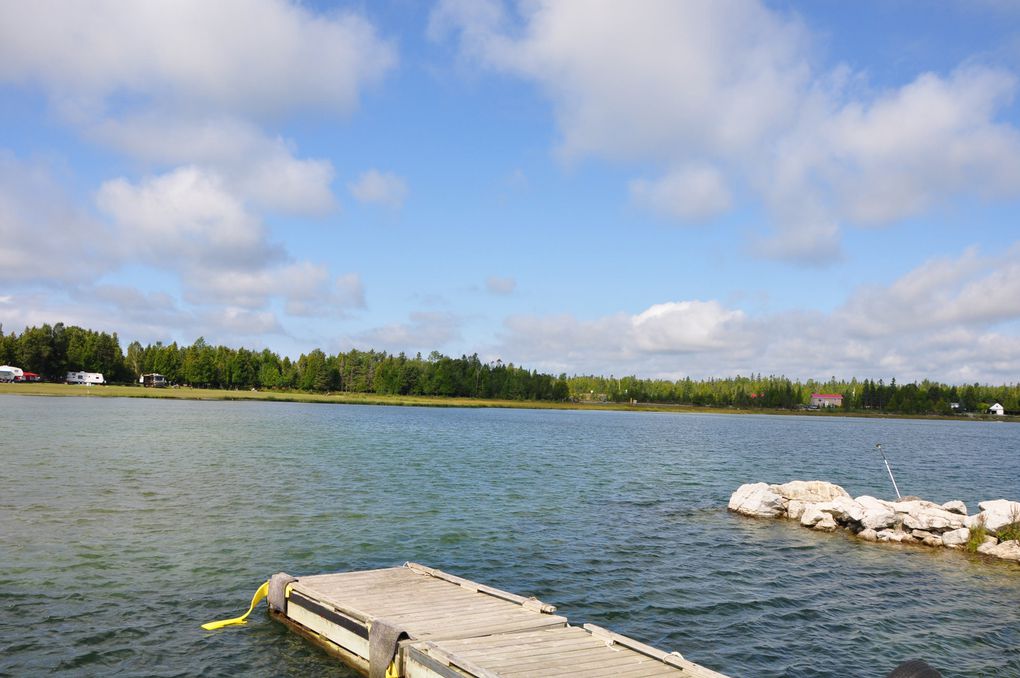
pixel 689 194
pixel 502 286
pixel 381 188
pixel 44 237
pixel 186 215
pixel 970 291
pixel 424 332
pixel 687 327
pixel 262 169
pixel 241 55
pixel 196 118
pixel 951 319
pixel 735 86
pixel 306 289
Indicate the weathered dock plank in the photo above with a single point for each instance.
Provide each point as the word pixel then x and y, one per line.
pixel 564 651
pixel 419 622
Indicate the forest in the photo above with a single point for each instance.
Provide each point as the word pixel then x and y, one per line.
pixel 53 350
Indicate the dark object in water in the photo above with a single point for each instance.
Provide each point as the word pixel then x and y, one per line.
pixel 915 668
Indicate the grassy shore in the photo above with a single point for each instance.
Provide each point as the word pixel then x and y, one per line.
pixel 188 393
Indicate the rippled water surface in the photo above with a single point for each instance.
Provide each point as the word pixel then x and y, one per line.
pixel 125 524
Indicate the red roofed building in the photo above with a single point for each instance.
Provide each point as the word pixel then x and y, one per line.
pixel 826 400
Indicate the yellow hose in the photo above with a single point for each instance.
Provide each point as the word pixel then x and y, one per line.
pixel 259 595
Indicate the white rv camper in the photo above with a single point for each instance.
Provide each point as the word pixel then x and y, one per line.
pixel 152 379
pixel 86 378
pixel 8 373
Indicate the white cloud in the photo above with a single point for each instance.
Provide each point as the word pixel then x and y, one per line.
pixel 687 327
pixel 501 286
pixel 382 188
pixel 424 332
pixel 234 55
pixel 187 217
pixel 240 322
pixel 735 86
pixel 950 319
pixel 261 169
pixel 44 238
pixel 306 288
pixel 972 291
pixel 691 193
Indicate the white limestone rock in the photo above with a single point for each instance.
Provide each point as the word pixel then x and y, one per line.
pixel 956 506
pixel 810 490
pixel 932 540
pixel 827 523
pixel 868 534
pixel 999 513
pixel 845 510
pixel 812 514
pixel 926 515
pixel 890 535
pixel 878 514
pixel 1007 550
pixel 757 500
pixel 988 544
pixel 795 509
pixel 956 537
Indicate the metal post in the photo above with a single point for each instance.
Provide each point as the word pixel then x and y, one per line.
pixel 878 446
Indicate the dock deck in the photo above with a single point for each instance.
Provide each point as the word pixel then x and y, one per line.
pixel 419 622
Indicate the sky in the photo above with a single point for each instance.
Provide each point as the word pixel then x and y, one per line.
pixel 665 189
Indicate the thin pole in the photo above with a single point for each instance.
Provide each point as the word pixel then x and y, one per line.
pixel 879 447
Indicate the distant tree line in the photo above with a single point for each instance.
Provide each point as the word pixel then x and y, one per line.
pixel 52 351
pixel 778 392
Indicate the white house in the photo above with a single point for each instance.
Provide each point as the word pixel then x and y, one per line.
pixel 85 378
pixel 826 400
pixel 997 409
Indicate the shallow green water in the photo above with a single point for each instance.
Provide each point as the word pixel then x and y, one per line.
pixel 125 524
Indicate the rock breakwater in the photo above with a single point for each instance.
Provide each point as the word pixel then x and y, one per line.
pixel 820 505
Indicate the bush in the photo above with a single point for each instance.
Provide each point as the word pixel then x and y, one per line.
pixel 1011 531
pixel 977 536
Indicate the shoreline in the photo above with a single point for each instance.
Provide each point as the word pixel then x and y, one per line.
pixel 190 393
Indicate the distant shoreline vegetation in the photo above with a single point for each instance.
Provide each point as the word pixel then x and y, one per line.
pixel 52 351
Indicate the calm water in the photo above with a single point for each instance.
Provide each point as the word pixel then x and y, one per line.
pixel 125 524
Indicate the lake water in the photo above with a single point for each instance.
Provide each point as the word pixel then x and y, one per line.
pixel 125 524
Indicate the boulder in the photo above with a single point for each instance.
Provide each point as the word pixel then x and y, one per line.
pixel 795 509
pixel 868 534
pixel 845 510
pixel 988 545
pixel 1008 550
pixel 956 506
pixel 812 514
pixel 932 540
pixel 927 515
pixel 757 500
pixel 890 535
pixel 810 490
pixel 999 513
pixel 878 514
pixel 827 523
pixel 956 537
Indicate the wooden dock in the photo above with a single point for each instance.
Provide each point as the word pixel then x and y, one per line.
pixel 419 622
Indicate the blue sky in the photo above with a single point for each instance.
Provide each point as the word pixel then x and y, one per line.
pixel 653 188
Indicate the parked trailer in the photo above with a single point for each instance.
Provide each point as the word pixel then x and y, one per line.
pixel 87 378
pixel 152 379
